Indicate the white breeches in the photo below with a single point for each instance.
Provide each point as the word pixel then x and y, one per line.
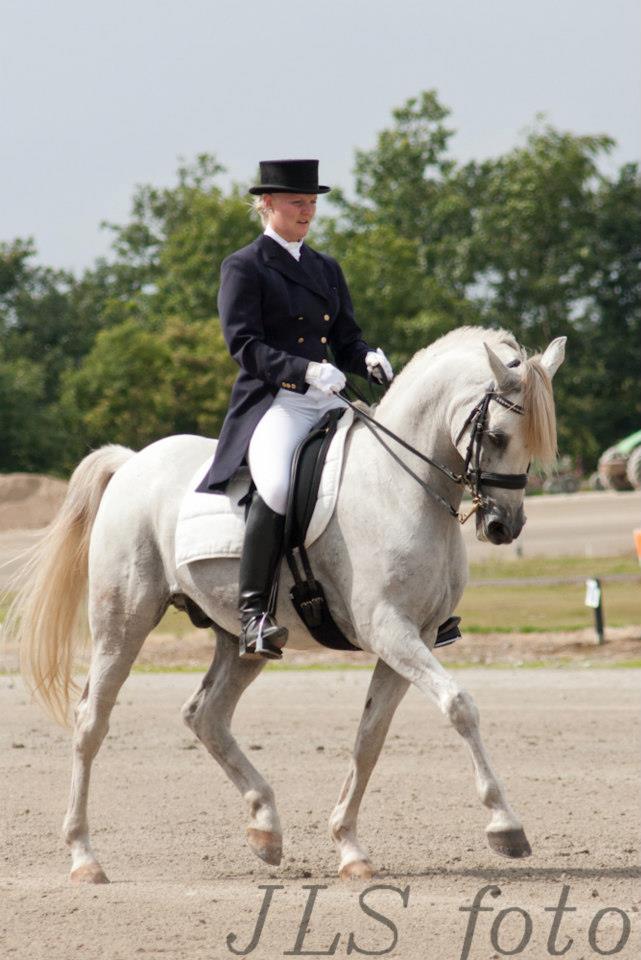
pixel 271 449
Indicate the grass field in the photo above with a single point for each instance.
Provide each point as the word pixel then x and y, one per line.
pixel 532 607
pixel 524 609
pixel 555 567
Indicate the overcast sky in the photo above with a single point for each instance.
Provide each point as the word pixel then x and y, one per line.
pixel 98 97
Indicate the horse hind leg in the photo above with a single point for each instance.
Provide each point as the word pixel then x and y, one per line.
pixel 208 713
pixel 117 639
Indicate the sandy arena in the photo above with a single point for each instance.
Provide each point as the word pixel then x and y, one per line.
pixel 169 828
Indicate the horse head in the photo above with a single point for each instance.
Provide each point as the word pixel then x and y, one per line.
pixel 512 425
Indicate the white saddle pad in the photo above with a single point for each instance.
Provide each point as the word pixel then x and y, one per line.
pixel 212 525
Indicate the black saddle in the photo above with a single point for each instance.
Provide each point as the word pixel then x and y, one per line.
pixel 307 594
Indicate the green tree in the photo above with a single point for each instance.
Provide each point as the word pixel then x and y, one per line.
pixel 120 393
pixel 37 319
pixel 27 427
pixel 554 251
pixel 603 397
pixel 394 238
pixel 200 376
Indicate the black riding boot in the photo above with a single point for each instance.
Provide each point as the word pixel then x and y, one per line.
pixel 260 635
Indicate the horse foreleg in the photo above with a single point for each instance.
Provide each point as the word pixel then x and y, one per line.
pixel 399 643
pixel 386 691
pixel 208 713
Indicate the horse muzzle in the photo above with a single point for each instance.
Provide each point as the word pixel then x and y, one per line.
pixel 499 524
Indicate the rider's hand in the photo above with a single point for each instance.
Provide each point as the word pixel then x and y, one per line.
pixel 325 376
pixel 375 361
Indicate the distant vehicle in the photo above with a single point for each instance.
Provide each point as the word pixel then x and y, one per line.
pixel 620 466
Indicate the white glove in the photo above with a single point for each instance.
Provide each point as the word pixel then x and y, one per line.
pixel 375 359
pixel 325 377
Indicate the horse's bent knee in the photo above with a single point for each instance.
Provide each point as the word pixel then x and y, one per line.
pixel 189 713
pixel 462 711
pixel 196 715
pixel 212 732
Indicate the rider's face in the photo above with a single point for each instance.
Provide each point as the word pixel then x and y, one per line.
pixel 291 213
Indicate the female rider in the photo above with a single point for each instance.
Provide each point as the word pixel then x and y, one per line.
pixel 281 306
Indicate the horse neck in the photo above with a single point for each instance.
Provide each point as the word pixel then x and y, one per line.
pixel 420 412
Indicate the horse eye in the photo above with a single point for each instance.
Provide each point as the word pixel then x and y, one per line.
pixel 498 440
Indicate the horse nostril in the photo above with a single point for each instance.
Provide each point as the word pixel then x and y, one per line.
pixel 498 532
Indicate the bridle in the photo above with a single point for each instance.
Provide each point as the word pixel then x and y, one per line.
pixel 472 477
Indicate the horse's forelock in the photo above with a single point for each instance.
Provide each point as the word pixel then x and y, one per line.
pixel 539 419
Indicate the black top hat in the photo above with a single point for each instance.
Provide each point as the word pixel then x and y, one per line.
pixel 289 176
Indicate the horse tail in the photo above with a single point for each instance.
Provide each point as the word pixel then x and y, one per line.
pixel 45 618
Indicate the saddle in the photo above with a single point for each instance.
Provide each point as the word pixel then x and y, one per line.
pixel 307 594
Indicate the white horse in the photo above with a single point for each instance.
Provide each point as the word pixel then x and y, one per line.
pixel 392 561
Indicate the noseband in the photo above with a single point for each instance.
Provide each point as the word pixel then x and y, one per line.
pixel 472 478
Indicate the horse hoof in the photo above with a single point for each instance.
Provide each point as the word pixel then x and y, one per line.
pixel 266 845
pixel 509 843
pixel 88 873
pixel 357 870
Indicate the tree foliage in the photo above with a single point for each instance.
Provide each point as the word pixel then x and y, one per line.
pixel 539 241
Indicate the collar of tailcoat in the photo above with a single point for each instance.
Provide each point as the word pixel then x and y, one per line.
pixel 308 271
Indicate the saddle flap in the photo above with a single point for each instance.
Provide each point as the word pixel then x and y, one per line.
pixel 306 471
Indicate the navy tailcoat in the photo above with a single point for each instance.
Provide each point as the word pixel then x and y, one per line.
pixel 277 314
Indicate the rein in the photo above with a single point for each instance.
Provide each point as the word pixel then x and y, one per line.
pixel 472 477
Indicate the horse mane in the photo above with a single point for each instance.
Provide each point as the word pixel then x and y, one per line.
pixel 540 416
pixel 539 419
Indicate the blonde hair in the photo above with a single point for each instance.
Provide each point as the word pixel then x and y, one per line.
pixel 540 417
pixel 259 206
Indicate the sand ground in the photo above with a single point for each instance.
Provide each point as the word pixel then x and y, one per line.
pixel 169 828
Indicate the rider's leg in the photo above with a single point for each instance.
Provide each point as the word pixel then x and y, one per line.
pixel 272 447
pixel 289 419
pixel 260 634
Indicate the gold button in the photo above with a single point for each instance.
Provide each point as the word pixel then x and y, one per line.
pixel 326 317
pixel 301 339
pixel 323 339
pixel 300 318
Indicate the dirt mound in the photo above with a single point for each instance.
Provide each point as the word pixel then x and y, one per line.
pixel 29 501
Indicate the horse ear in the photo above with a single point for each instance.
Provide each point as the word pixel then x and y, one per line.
pixel 506 379
pixel 554 356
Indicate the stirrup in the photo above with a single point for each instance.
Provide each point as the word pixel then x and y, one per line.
pixel 265 641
